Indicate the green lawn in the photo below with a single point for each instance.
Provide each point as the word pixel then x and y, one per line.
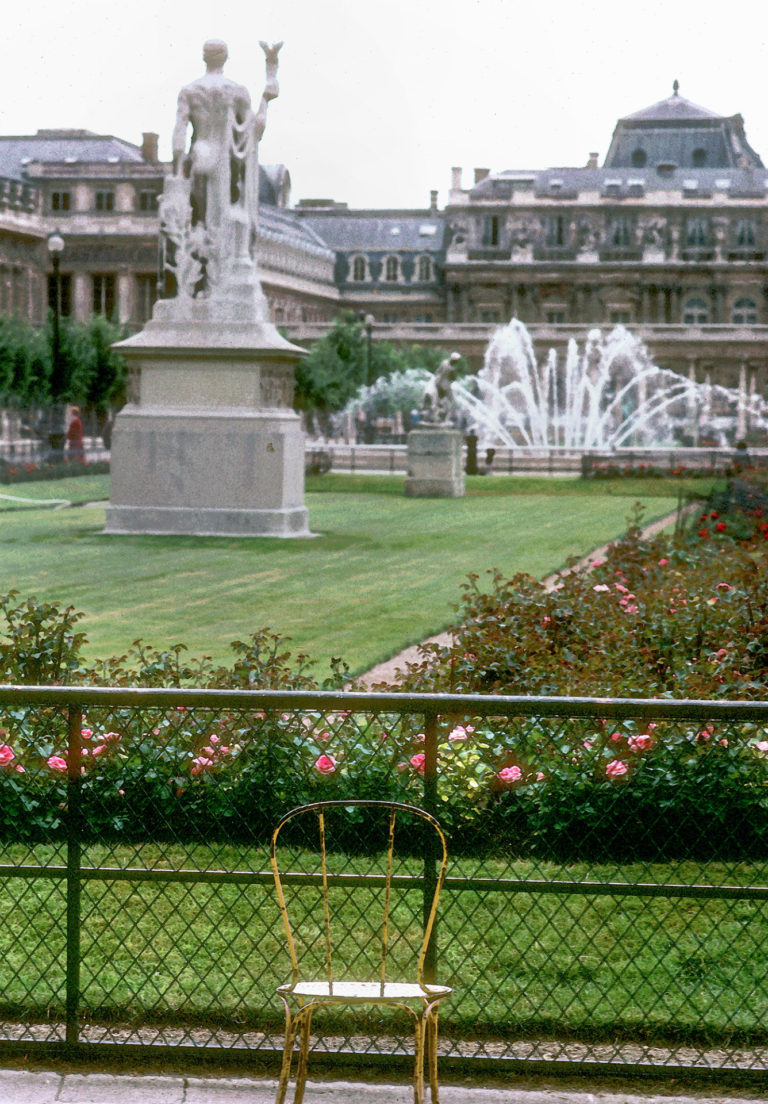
pixel 383 571
pixel 604 968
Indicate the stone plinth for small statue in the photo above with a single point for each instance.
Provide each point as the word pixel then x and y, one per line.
pixel 208 442
pixel 435 450
pixel 435 463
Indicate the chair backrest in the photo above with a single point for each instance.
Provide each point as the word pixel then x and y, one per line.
pixel 358 884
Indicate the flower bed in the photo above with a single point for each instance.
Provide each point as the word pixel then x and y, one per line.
pixel 23 472
pixel 683 618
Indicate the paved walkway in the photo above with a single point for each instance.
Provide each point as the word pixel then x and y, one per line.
pixel 49 1087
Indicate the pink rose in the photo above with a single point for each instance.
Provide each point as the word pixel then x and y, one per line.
pixel 326 764
pixel 643 742
pixel 615 768
pixel 460 732
pixel 663 561
pixel 56 763
pixel 6 755
pixel 98 750
pixel 418 760
pixel 510 774
pixel 200 764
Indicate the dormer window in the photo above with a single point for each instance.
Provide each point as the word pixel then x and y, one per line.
pixel 639 158
pixel 699 158
pixel 392 270
pixel 359 269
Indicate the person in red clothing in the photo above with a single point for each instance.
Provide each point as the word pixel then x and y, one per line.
pixel 75 445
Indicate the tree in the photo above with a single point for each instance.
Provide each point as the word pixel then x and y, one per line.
pixel 334 369
pixel 337 366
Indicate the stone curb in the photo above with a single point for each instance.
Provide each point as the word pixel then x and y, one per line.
pixel 47 1087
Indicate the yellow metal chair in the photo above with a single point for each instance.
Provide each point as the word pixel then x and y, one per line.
pixel 330 981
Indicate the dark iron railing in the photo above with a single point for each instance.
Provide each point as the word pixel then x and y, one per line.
pixel 594 929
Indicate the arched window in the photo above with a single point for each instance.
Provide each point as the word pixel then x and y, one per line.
pixel 639 158
pixel 392 269
pixel 699 158
pixel 425 270
pixel 359 269
pixel 695 312
pixel 744 312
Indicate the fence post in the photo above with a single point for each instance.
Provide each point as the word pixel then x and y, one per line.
pixel 74 849
pixel 430 857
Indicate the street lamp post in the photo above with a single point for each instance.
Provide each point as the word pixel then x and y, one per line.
pixel 368 322
pixel 57 429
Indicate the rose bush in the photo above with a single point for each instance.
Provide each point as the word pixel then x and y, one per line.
pixel 683 617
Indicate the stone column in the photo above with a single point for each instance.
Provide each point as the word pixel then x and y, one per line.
pixel 82 296
pixel 741 413
pixel 126 296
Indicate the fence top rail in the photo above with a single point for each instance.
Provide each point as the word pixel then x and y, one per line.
pixel 391 702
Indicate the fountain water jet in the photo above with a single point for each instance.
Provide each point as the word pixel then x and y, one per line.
pixel 607 395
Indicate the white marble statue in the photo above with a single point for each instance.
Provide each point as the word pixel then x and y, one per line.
pixel 209 205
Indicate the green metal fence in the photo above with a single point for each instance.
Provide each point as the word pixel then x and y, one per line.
pixel 606 903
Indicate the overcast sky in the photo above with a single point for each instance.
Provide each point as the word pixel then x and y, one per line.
pixel 379 99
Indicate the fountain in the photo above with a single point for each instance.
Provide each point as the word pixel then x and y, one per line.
pixel 607 395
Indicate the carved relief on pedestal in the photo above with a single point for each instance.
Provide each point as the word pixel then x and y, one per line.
pixel 276 387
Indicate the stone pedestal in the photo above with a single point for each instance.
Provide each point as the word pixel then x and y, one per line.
pixel 208 442
pixel 434 463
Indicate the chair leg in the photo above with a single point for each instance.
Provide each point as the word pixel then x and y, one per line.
pixel 418 1061
pixel 285 1068
pixel 432 1054
pixel 301 1072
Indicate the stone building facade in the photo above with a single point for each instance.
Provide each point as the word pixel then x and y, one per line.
pixel 669 236
pixel 100 193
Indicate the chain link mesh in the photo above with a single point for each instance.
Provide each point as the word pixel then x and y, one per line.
pixel 607 892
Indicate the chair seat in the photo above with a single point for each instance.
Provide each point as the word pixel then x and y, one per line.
pixel 362 992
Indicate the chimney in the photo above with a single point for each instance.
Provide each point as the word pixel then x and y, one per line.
pixel 481 174
pixel 456 179
pixel 433 200
pixel 592 163
pixel 149 146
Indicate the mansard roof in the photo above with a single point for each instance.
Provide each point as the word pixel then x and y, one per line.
pixel 675 109
pixel 73 146
pixel 378 231
pixel 680 133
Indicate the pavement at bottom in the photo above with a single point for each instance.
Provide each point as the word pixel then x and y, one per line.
pixel 54 1087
